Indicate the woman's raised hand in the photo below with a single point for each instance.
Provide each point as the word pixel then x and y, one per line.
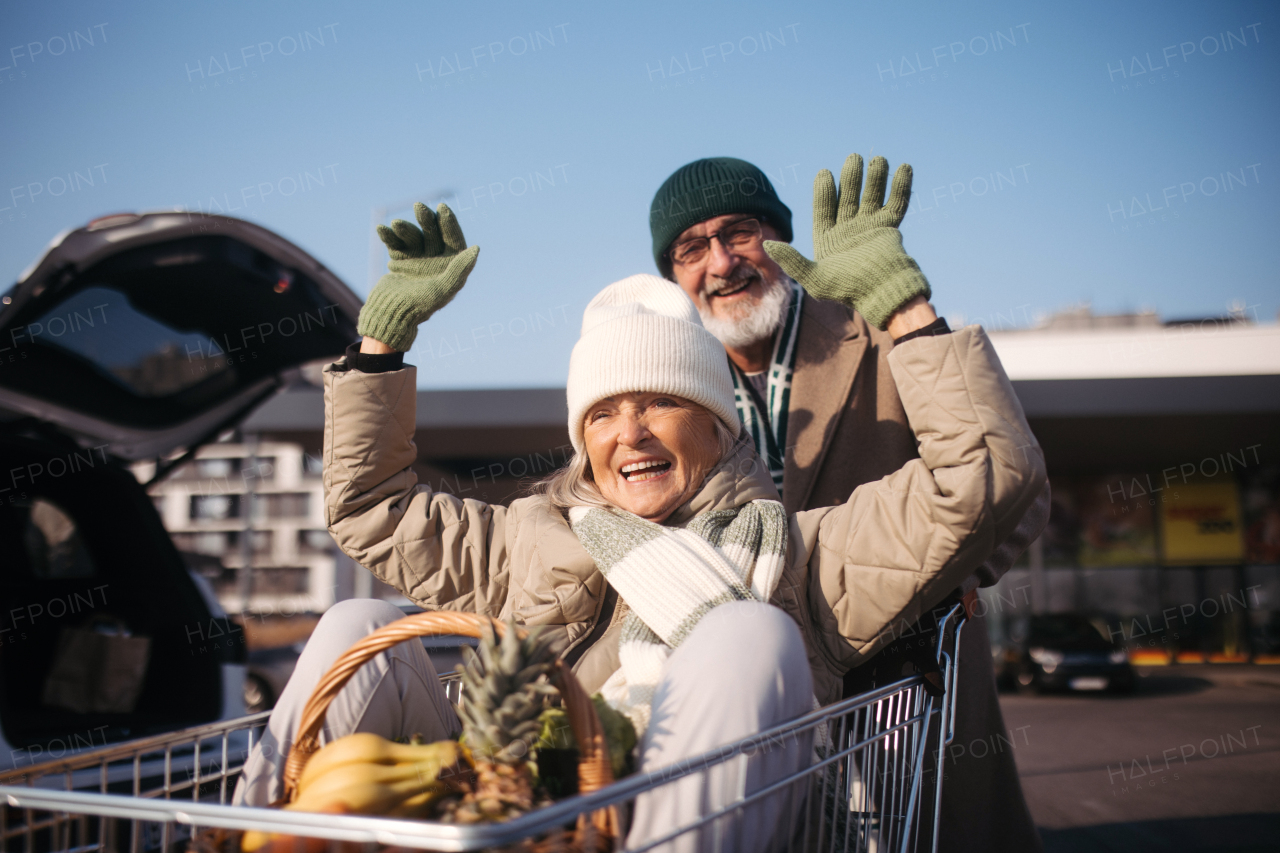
pixel 428 267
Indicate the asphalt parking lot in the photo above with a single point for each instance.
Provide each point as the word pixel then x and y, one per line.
pixel 1190 761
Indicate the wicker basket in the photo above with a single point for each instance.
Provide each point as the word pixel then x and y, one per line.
pixel 597 832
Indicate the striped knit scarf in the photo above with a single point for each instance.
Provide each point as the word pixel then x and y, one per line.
pixel 769 433
pixel 672 577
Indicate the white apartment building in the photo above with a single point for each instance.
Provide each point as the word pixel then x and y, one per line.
pixel 273 497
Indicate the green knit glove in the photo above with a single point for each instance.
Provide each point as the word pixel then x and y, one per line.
pixel 858 254
pixel 428 267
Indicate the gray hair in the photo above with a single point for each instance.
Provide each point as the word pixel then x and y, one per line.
pixel 573 485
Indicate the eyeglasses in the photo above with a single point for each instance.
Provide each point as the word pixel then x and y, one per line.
pixel 737 236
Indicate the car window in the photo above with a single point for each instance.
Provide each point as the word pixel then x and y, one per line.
pixel 146 356
pixel 53 544
pixel 154 336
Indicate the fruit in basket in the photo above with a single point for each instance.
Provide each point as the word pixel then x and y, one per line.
pixel 504 690
pixel 619 734
pixel 377 789
pixel 263 843
pixel 367 774
pixel 370 749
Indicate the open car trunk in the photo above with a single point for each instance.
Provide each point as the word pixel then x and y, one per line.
pixel 158 331
pixel 85 545
pixel 135 337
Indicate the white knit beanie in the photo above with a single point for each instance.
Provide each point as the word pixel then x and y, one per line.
pixel 644 334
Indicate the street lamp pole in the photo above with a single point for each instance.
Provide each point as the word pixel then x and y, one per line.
pixel 248 475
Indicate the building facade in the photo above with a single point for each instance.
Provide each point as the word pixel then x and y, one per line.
pixel 258 504
pixel 1162 441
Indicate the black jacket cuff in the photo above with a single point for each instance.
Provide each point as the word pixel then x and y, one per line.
pixel 937 327
pixel 367 362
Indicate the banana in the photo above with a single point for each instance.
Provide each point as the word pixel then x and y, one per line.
pixel 420 805
pixel 367 748
pixel 368 774
pixel 438 765
pixel 352 749
pixel 370 788
pixel 372 798
pixel 358 793
pixel 254 840
pixel 331 785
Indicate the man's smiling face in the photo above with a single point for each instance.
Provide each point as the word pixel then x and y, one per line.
pixel 728 283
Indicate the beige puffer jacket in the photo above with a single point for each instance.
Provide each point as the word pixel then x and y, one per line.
pixel 855 571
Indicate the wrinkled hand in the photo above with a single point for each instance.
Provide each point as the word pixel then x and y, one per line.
pixel 858 254
pixel 428 267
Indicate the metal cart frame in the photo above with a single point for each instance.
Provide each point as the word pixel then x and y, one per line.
pixel 868 787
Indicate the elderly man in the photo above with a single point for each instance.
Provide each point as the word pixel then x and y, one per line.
pixel 814 391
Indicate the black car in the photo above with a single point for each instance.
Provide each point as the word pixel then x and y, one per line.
pixel 136 337
pixel 1063 651
pixel 269 672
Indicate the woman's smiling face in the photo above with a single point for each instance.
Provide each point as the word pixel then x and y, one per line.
pixel 649 452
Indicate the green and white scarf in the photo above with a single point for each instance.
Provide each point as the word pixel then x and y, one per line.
pixel 769 433
pixel 671 577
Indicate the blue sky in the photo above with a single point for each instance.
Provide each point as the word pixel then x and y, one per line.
pixel 1114 153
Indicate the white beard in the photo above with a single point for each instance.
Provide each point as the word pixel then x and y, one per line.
pixel 760 322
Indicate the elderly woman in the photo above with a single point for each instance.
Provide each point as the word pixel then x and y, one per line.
pixel 660 557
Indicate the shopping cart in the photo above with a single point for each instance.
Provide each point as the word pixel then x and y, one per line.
pixel 872 785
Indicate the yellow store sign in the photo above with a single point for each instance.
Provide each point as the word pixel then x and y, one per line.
pixel 1202 524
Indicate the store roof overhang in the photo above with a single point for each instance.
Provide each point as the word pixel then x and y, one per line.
pixel 1168 352
pixel 302 409
pixel 1160 395
pixel 1093 397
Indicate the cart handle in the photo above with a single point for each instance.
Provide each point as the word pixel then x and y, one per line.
pixel 594 769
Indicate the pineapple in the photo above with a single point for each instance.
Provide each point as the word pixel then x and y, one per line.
pixel 504 690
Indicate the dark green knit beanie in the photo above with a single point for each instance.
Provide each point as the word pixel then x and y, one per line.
pixel 712 187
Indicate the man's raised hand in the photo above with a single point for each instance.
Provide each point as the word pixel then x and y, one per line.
pixel 858 254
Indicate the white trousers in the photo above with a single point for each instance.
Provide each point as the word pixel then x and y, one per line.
pixel 396 694
pixel 741 671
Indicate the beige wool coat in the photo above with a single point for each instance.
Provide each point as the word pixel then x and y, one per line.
pixel 848 427
pixel 855 571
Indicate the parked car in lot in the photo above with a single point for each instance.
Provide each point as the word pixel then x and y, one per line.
pixel 268 672
pixel 1062 651
pixel 135 337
